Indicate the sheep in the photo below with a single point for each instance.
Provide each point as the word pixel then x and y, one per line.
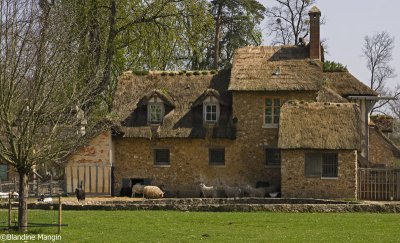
pixel 255 192
pixel 232 191
pixel 152 192
pixel 80 194
pixel 208 191
pixel 137 189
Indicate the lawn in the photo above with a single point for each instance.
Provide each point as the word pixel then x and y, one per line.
pixel 171 226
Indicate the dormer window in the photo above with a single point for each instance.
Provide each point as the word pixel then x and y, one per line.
pixel 211 109
pixel 155 109
pixel 211 112
pixel 155 112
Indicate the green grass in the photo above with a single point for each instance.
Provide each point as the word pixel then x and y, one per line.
pixel 171 226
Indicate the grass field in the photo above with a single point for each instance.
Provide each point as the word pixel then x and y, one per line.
pixel 171 226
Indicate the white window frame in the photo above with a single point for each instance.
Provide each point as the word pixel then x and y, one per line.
pixel 217 110
pixel 272 124
pixel 149 112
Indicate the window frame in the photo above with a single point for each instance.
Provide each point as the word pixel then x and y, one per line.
pixel 217 111
pixel 149 114
pixel 161 163
pixel 266 157
pixel 210 157
pixel 322 160
pixel 273 99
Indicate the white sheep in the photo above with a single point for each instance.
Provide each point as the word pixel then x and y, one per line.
pixel 208 191
pixel 152 192
pixel 137 189
pixel 232 191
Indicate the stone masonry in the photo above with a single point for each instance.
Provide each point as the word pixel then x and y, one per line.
pixel 244 157
pixel 381 151
pixel 296 185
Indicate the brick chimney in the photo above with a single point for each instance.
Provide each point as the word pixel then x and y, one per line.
pixel 315 44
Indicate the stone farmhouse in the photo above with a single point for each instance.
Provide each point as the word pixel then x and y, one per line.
pixel 276 118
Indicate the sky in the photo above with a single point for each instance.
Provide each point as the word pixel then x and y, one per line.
pixel 348 22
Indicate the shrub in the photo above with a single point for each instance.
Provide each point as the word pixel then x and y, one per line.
pixel 331 66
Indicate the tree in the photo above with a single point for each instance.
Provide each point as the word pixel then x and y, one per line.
pixel 43 100
pixel 377 50
pixel 288 21
pixel 236 25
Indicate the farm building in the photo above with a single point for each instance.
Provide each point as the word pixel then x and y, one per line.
pixel 276 118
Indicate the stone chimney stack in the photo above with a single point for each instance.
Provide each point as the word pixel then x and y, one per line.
pixel 315 43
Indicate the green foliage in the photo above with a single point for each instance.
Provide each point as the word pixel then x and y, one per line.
pixel 213 71
pixel 240 21
pixel 196 73
pixel 204 72
pixel 331 66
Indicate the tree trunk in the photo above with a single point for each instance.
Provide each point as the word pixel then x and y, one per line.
pixel 218 19
pixel 22 205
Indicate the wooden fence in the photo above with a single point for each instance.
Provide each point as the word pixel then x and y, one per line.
pixel 35 187
pixel 95 178
pixel 378 184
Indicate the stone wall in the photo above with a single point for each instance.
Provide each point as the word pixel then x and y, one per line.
pixel 296 184
pixel 244 157
pixel 381 151
pixel 253 138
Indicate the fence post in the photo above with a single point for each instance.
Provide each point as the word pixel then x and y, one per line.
pixel 15 184
pixel 37 188
pixel 59 213
pixel 9 210
pixel 51 184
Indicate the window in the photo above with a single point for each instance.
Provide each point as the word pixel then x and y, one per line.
pixel 211 113
pixel 161 157
pixel 273 157
pixel 155 112
pixel 216 156
pixel 321 165
pixel 272 110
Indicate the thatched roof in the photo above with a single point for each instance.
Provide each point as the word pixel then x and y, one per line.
pixel 273 68
pixel 319 126
pixel 345 84
pixel 207 93
pixel 383 122
pixel 326 94
pixel 181 118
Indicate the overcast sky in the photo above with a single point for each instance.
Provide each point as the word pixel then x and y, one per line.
pixel 347 22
